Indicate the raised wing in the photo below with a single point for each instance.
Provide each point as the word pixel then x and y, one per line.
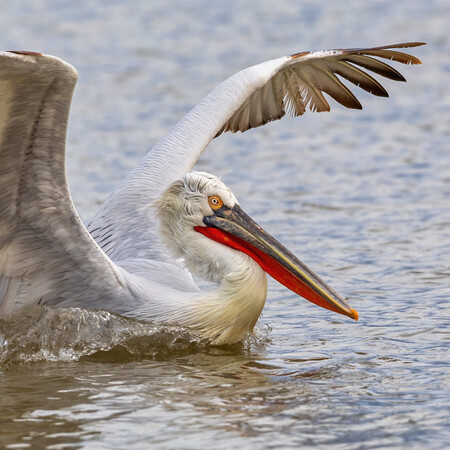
pixel 45 251
pixel 300 84
pixel 248 99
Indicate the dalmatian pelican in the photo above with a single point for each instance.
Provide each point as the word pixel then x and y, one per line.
pixel 164 222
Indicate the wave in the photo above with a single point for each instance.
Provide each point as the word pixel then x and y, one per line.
pixel 42 333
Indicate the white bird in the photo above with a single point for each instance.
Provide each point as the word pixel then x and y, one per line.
pixel 164 222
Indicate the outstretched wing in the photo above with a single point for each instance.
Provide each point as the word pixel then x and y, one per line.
pixel 248 99
pixel 45 251
pixel 301 83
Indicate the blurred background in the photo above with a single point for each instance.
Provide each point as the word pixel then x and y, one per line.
pixel 361 196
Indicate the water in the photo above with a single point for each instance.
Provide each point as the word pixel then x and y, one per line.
pixel 362 197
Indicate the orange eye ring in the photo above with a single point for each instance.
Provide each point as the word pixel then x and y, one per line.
pixel 215 202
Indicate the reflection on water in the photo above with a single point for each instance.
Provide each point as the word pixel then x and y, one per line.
pixel 361 197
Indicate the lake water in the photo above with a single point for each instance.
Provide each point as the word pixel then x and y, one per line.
pixel 363 197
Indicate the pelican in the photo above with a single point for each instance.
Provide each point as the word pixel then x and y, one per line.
pixel 164 223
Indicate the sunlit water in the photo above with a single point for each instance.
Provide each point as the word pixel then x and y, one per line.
pixel 362 197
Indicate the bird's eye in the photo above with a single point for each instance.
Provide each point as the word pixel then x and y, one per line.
pixel 215 202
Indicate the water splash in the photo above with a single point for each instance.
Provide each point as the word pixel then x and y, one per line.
pixel 68 334
pixel 41 333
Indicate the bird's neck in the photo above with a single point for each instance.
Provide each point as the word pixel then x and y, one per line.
pixel 227 314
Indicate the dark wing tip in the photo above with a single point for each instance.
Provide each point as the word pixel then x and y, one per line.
pixel 24 52
pixel 385 47
pixel 406 45
pixel 386 52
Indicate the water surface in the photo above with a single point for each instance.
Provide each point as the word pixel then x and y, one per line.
pixel 362 197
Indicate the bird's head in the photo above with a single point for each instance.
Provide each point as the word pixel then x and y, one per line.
pixel 201 221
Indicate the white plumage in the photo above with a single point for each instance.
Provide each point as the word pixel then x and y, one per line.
pixel 161 223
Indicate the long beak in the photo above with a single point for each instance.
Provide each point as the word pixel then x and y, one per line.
pixel 233 227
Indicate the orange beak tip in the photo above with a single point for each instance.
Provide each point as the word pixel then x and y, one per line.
pixel 355 315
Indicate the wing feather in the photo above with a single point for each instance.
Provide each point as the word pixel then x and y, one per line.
pixel 293 98
pixel 244 116
pixel 359 78
pixel 312 92
pixel 309 74
pixel 400 57
pixel 278 92
pixel 45 251
pixel 330 84
pixel 376 66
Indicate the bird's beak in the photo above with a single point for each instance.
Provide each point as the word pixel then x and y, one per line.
pixel 234 228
